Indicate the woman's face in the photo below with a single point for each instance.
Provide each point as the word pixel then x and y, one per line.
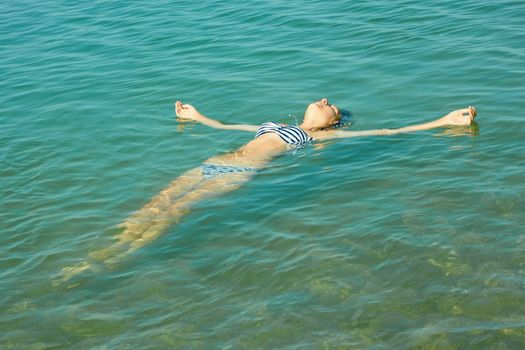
pixel 323 113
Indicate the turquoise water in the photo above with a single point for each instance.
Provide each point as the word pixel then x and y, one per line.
pixel 406 241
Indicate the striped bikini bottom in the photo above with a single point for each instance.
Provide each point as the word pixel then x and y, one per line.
pixel 212 170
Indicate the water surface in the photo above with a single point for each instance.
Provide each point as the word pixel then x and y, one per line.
pixel 406 241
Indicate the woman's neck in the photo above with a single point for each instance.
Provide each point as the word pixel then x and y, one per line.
pixel 308 126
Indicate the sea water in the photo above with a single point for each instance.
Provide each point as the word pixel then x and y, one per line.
pixel 395 242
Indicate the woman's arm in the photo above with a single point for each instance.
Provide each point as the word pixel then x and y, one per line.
pixel 459 117
pixel 189 112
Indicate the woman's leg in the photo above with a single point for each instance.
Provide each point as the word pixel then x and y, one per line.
pixel 165 209
pixel 171 213
pixel 143 220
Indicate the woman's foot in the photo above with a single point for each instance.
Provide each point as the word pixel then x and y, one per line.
pixel 463 116
pixel 69 272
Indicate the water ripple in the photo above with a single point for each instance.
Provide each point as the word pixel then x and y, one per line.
pixel 395 242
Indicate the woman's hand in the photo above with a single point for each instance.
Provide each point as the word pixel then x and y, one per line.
pixel 463 116
pixel 187 111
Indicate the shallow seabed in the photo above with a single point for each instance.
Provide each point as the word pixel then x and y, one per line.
pixel 400 242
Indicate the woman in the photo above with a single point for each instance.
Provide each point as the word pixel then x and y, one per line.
pixel 226 172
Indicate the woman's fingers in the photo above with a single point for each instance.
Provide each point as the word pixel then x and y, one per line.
pixel 184 110
pixel 473 111
pixel 469 112
pixel 179 108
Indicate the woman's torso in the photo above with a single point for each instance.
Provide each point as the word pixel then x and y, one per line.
pixel 267 145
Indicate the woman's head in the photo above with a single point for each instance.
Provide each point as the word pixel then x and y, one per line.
pixel 321 114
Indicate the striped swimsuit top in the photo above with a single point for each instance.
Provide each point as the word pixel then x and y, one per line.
pixel 293 135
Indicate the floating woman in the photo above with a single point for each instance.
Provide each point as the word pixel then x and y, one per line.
pixel 227 172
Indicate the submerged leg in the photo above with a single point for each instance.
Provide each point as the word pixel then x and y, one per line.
pixel 151 215
pixel 159 205
pixel 172 213
pixel 165 209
